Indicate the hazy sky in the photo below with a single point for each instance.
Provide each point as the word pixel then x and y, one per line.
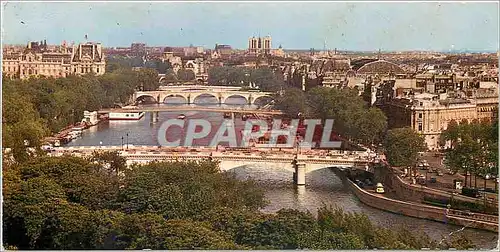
pixel 298 25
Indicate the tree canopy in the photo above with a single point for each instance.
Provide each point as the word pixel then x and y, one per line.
pixel 402 146
pixel 473 147
pixel 263 77
pixel 352 118
pixel 35 107
pixel 98 203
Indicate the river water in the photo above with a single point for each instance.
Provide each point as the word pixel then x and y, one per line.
pixel 323 186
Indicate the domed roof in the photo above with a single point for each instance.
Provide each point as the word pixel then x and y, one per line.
pixel 380 67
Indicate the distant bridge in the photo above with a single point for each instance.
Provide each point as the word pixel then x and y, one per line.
pixel 189 108
pixel 192 93
pixel 299 164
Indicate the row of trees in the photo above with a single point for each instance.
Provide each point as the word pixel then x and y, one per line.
pixel 263 77
pixel 353 119
pixel 117 62
pixel 162 67
pixel 96 203
pixel 35 107
pixel 182 75
pixel 473 148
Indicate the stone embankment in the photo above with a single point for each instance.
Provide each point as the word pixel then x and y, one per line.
pixel 413 209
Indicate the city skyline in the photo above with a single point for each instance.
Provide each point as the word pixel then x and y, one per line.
pixel 358 26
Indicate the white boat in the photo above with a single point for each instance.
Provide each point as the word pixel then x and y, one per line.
pixel 126 115
pixel 77 129
pixel 75 134
pixel 90 118
pixel 181 116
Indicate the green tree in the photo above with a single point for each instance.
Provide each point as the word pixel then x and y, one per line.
pixel 148 79
pixel 292 102
pixel 20 123
pixel 228 76
pixel 185 75
pixel 473 147
pixel 402 146
pixel 280 231
pixel 266 79
pixel 74 203
pixel 370 125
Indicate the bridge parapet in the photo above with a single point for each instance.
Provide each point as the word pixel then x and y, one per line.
pixel 191 94
pixel 301 163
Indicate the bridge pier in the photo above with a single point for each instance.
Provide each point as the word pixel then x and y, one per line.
pixel 300 173
pixel 154 116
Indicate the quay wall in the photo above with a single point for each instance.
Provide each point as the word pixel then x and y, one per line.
pixel 480 221
pixel 405 190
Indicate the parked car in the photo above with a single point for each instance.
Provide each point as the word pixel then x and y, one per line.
pixel 421 181
pixel 380 188
pixel 440 173
pixel 48 148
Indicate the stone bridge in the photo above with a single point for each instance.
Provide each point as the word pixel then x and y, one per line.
pixel 299 164
pixel 192 93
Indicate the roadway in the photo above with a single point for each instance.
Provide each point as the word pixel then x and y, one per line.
pixel 269 154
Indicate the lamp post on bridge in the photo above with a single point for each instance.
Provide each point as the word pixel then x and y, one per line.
pixel 122 143
pixel 127 141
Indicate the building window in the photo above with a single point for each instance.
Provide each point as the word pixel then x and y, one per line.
pixel 98 70
pixel 82 70
pixel 420 115
pixel 419 126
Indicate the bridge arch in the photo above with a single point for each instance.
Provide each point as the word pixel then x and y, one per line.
pixel 233 96
pixel 209 99
pixel 145 98
pixel 230 164
pixel 175 99
pixel 262 99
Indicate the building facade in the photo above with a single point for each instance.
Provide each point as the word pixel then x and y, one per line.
pixel 36 60
pixel 260 45
pixel 430 114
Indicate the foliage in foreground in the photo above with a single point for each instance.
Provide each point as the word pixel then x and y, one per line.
pixel 73 203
